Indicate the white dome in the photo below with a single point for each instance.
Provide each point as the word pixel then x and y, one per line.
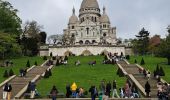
pixel 104 18
pixel 89 4
pixel 73 19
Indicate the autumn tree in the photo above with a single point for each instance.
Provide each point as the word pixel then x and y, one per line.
pixel 164 48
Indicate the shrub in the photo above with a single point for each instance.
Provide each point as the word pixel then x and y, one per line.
pixel 157 72
pixel 136 61
pixel 11 72
pixel 6 74
pixel 45 58
pixel 35 63
pixel 127 57
pixel 161 71
pixel 142 62
pixel 28 64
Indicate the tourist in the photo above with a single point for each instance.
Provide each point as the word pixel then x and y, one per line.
pixel 100 96
pixel 115 90
pixel 81 92
pixel 5 91
pixel 127 92
pixel 73 89
pixel 135 92
pixel 68 91
pixel 32 88
pixel 147 89
pixel 9 91
pixel 102 87
pixel 94 92
pixel 105 96
pixel 21 71
pixel 108 88
pixel 121 90
pixel 148 74
pixel 144 72
pixel 54 93
pixel 77 62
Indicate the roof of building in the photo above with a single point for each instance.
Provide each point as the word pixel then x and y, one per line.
pixel 89 4
pixel 104 18
pixel 73 19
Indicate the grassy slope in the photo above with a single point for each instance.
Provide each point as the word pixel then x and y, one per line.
pixel 84 75
pixel 19 63
pixel 151 63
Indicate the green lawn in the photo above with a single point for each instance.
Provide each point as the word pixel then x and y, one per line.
pixel 84 75
pixel 151 63
pixel 19 63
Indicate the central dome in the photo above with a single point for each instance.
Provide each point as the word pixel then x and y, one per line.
pixel 89 4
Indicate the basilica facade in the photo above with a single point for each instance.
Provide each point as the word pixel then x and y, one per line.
pixel 90 26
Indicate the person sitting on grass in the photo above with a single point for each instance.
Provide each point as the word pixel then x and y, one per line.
pixel 92 63
pixel 77 62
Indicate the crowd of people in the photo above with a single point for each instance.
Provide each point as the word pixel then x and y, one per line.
pixel 103 92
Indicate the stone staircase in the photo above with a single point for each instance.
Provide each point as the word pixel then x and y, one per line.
pixel 133 69
pixel 18 83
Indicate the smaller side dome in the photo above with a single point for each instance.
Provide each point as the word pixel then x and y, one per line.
pixel 73 19
pixel 104 18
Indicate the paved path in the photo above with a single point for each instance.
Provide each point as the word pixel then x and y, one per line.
pixel 18 83
pixel 133 69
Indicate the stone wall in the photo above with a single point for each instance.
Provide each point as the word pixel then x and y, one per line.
pixel 79 50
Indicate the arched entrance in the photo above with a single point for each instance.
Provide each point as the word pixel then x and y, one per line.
pixel 86 53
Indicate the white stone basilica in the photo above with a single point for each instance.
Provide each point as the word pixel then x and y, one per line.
pixel 89 34
pixel 91 27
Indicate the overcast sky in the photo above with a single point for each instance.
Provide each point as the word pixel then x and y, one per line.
pixel 129 16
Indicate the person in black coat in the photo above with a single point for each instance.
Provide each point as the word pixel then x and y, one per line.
pixel 147 89
pixel 93 91
pixel 108 88
pixel 68 91
pixel 9 91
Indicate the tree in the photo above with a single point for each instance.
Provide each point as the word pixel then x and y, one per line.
pixel 46 75
pixel 43 37
pixel 163 49
pixel 162 73
pixel 6 74
pixel 35 63
pixel 28 64
pixel 31 38
pixel 154 42
pixel 136 61
pixel 8 46
pixel 142 62
pixel 50 73
pixel 9 21
pixel 11 72
pixel 142 42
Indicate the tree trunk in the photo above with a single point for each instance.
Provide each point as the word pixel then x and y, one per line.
pixel 168 61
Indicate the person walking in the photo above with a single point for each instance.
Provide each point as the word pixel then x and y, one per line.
pixel 68 91
pixel 94 92
pixel 5 91
pixel 54 93
pixel 32 88
pixel 108 88
pixel 147 89
pixel 9 91
pixel 115 90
